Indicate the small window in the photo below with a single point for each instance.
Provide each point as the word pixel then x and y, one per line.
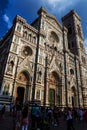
pixel 29 37
pixel 43 24
pixel 79 31
pixel 72 45
pixel 69 45
pixel 12 63
pixel 25 34
pixel 16 38
pixel 71 71
pixel 83 59
pixel 55 48
pixel 34 39
pixel 19 28
pixel 81 46
pixel 69 29
pixel 14 48
pixel 40 59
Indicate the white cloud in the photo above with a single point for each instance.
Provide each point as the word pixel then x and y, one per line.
pixel 59 5
pixel 7 20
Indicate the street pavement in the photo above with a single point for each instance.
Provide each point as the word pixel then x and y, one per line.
pixel 7 124
pixel 77 126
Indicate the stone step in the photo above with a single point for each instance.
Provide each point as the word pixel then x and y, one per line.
pixel 5 99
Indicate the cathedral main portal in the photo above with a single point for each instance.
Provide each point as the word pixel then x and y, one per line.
pixel 55 90
pixel 20 94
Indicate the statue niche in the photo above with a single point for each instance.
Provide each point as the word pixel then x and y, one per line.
pixel 39 75
pixel 10 67
pixel 6 89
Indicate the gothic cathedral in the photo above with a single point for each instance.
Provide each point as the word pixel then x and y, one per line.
pixel 44 61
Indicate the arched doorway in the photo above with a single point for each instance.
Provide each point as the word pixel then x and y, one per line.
pixel 55 89
pixel 23 88
pixel 20 94
pixel 52 97
pixel 73 98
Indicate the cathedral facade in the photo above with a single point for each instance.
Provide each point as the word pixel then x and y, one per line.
pixel 44 61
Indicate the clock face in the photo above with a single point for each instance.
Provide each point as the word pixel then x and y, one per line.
pixel 27 51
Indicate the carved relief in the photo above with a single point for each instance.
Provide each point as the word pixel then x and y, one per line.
pixel 22 77
pixel 52 79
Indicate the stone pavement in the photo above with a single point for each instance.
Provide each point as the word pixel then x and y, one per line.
pixel 77 126
pixel 7 124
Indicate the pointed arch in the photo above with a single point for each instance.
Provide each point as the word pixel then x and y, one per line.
pixel 55 89
pixel 73 96
pixel 23 87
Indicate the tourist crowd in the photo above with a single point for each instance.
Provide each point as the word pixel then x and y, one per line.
pixel 35 117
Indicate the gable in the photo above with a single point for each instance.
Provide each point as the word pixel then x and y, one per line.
pixel 49 18
pixel 52 20
pixel 25 64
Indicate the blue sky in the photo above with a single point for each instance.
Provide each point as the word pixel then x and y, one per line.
pixel 28 10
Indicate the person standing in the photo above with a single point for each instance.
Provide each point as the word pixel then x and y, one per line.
pixel 24 119
pixel 69 119
pixel 18 111
pixel 85 115
pixel 35 116
pixel 55 115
